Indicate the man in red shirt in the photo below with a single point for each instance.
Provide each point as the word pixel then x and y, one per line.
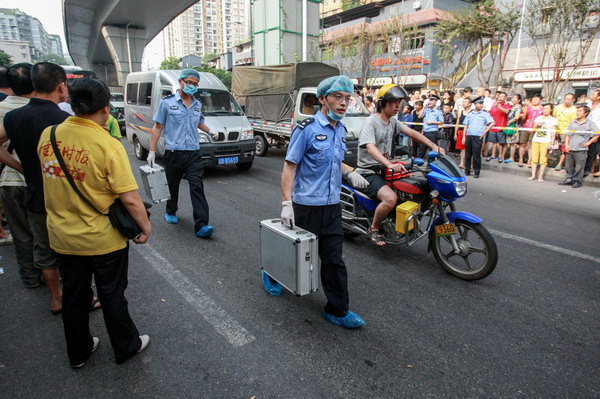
pixel 496 136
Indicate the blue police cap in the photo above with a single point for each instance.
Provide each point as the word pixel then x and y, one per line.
pixel 333 84
pixel 478 100
pixel 189 72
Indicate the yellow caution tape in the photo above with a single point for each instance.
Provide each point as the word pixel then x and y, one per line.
pixel 524 129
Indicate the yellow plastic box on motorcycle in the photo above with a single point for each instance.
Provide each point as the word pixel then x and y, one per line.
pixel 403 212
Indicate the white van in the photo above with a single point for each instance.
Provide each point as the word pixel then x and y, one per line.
pixel 143 92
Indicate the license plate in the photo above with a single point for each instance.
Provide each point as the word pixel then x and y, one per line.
pixel 445 229
pixel 227 160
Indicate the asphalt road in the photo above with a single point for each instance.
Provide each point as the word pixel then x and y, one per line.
pixel 530 330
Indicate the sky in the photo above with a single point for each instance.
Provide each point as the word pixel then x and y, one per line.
pixel 49 12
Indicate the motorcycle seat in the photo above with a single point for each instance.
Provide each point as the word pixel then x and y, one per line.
pixel 411 184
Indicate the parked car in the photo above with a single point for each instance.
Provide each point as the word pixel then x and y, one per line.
pixel 117 102
pixel 235 144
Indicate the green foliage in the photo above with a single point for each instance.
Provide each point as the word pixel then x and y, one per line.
pixel 170 63
pixel 348 4
pixel 54 58
pixel 209 57
pixel 5 60
pixel 223 75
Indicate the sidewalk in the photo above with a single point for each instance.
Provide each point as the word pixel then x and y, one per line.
pixel 551 175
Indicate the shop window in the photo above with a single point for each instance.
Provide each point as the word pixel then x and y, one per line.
pixel 579 91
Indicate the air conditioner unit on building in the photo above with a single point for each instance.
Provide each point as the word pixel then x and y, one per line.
pixel 417 5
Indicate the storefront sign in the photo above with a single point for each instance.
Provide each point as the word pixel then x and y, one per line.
pixel 355 81
pixel 384 80
pixel 578 74
pixel 411 80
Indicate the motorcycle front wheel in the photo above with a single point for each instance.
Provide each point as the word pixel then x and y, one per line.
pixel 477 256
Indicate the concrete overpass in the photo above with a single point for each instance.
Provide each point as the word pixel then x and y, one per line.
pixel 109 36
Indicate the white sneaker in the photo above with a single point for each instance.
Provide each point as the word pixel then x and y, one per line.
pixel 6 241
pixel 96 341
pixel 145 341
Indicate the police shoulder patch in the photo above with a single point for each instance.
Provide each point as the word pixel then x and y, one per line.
pixel 169 96
pixel 305 122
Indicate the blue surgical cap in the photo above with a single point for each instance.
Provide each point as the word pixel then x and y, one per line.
pixel 189 72
pixel 333 84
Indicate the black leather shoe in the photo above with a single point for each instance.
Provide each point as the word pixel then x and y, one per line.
pixel 477 176
pixel 565 183
pixel 576 185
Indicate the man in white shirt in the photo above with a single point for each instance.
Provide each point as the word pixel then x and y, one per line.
pixel 593 149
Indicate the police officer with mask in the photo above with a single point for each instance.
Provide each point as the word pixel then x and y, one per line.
pixel 179 116
pixel 310 185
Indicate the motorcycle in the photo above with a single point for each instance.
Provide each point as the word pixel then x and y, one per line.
pixel 426 207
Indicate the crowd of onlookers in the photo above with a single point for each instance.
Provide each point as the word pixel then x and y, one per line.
pixel 527 130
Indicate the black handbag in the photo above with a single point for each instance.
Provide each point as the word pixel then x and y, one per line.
pixel 117 213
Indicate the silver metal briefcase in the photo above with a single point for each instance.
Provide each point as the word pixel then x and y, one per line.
pixel 290 256
pixel 155 183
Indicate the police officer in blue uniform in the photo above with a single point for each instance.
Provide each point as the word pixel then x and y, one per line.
pixel 433 117
pixel 311 184
pixel 178 117
pixel 477 124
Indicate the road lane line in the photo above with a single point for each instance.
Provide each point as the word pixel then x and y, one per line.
pixel 545 246
pixel 225 325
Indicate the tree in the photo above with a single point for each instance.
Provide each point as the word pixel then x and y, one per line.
pixel 561 34
pixel 486 30
pixel 209 57
pixel 348 4
pixel 5 60
pixel 223 75
pixel 54 58
pixel 398 36
pixel 170 63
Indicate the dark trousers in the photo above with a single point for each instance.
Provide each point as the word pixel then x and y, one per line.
pixel 423 149
pixel 592 154
pixel 473 150
pixel 110 273
pixel 326 223
pixel 575 162
pixel 178 163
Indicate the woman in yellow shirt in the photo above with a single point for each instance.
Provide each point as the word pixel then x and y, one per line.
pixel 85 241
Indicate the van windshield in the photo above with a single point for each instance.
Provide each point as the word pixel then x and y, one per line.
pixel 217 103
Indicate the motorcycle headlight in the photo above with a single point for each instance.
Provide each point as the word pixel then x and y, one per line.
pixel 204 138
pixel 460 187
pixel 247 135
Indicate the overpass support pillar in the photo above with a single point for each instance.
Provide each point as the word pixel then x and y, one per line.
pixel 126 46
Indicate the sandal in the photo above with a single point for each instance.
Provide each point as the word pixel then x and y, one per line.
pixel 95 304
pixel 376 238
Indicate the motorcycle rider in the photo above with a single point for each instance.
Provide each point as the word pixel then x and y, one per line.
pixel 375 149
pixel 310 187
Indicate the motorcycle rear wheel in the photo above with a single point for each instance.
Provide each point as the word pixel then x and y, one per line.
pixel 478 256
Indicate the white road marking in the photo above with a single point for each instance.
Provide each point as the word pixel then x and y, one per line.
pixel 208 309
pixel 545 246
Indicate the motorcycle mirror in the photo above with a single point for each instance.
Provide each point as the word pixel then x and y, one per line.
pixel 418 161
pixel 401 150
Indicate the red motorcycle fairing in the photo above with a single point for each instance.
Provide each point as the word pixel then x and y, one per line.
pixel 403 181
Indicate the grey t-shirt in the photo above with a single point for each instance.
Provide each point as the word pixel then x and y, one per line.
pixel 381 134
pixel 577 139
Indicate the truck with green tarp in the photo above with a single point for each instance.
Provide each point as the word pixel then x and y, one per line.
pixel 277 97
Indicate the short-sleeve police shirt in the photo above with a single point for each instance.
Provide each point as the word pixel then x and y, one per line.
pixel 180 123
pixel 477 121
pixel 432 115
pixel 318 150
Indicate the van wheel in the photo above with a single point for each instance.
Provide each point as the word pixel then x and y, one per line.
pixel 140 152
pixel 243 166
pixel 261 145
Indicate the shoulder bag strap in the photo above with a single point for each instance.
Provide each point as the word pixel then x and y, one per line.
pixel 61 161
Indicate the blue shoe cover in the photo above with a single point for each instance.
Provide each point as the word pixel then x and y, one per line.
pixel 205 232
pixel 173 219
pixel 271 286
pixel 351 320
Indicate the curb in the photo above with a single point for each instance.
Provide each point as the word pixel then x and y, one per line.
pixel 551 174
